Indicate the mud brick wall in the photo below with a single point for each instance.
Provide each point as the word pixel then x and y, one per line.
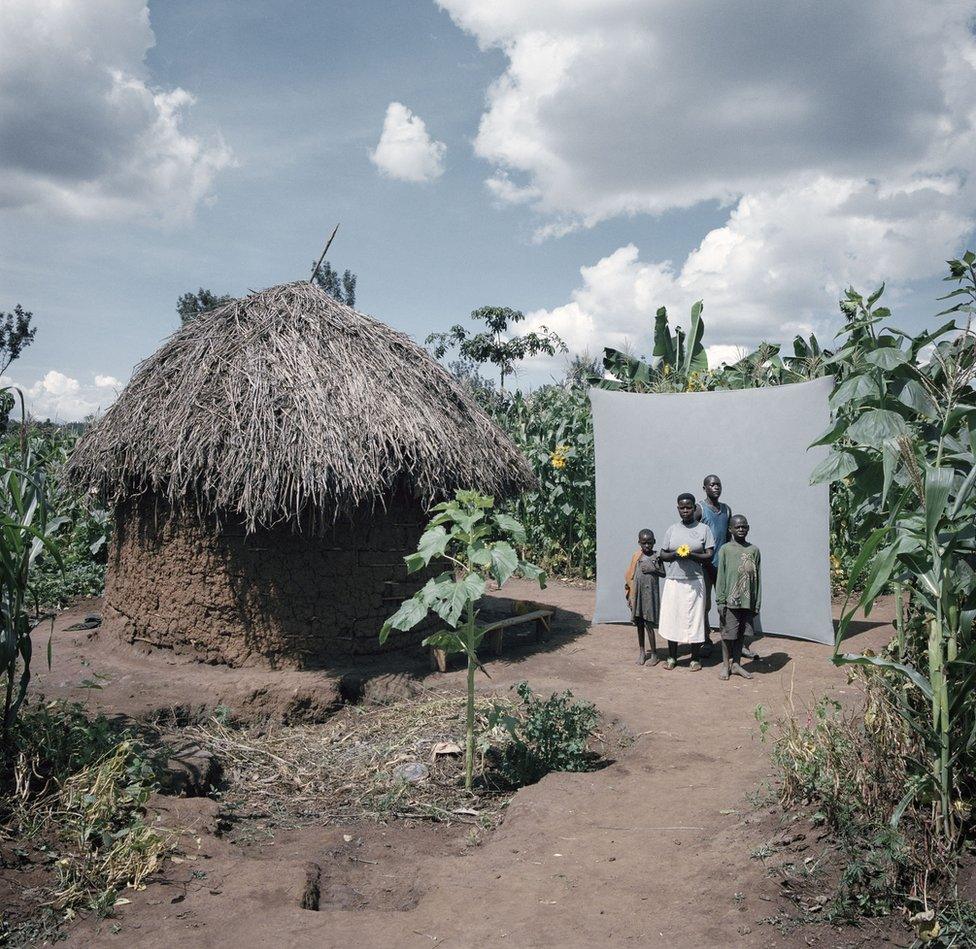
pixel 279 597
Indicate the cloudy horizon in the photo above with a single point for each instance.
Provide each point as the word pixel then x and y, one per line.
pixel 584 163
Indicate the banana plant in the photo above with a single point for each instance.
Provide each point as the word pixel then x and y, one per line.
pixel 475 544
pixel 675 358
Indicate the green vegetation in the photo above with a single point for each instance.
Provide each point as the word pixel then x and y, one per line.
pixel 27 524
pixel 493 346
pixel 474 543
pixel 553 427
pixel 76 789
pixel 544 735
pixel 894 780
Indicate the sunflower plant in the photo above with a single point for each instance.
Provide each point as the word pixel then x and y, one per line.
pixel 475 544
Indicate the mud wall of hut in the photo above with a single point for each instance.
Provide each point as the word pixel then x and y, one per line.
pixel 278 596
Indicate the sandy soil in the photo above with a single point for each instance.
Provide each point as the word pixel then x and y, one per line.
pixel 651 851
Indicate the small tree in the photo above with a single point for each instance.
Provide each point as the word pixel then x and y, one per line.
pixel 475 541
pixel 342 289
pixel 16 334
pixel 191 305
pixel 492 345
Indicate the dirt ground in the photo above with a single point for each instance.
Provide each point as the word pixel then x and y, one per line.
pixel 654 850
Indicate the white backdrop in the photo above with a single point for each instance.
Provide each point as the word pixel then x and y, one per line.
pixel 651 448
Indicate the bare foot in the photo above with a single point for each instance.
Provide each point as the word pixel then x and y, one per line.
pixel 747 653
pixel 723 673
pixel 642 658
pixel 737 670
pixel 653 658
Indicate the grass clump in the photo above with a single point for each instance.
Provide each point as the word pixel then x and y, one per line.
pixel 75 808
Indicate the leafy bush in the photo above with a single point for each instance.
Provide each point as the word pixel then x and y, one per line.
pixel 545 735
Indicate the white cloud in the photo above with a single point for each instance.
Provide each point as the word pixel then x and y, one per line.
pixel 86 133
pixel 723 354
pixel 405 150
pixel 62 398
pixel 841 138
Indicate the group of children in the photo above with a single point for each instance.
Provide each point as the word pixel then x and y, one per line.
pixel 706 553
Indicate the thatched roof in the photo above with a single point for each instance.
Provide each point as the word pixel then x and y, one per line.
pixel 286 404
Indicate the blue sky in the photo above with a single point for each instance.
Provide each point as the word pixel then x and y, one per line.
pixel 585 163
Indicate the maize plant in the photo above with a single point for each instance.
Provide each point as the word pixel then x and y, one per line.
pixel 27 525
pixel 904 442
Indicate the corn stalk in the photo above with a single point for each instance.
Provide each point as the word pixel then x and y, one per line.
pixel 904 439
pixel 27 525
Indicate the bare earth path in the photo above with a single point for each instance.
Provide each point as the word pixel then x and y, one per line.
pixel 651 851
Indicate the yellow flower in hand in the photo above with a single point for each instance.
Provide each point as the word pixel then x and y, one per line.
pixel 683 550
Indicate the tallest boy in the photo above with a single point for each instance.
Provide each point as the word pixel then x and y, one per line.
pixel 717 515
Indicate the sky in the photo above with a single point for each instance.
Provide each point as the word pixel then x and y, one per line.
pixel 584 161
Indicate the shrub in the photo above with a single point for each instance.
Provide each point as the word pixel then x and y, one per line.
pixel 545 735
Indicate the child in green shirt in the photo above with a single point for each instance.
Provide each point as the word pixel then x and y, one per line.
pixel 738 594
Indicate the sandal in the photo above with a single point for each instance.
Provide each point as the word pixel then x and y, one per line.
pixel 671 663
pixel 695 666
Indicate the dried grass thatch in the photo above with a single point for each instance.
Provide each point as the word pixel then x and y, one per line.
pixel 288 405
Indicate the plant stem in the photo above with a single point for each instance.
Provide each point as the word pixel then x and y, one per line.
pixel 469 743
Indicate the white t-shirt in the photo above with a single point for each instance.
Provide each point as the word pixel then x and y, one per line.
pixel 698 537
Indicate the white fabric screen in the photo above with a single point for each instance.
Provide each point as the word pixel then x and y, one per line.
pixel 650 448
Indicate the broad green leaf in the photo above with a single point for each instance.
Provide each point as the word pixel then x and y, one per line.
pixel 837 429
pixel 432 544
pixel 696 359
pixel 880 573
pixel 453 601
pixel 875 425
pixel 504 561
pixel 886 357
pixel 411 612
pixel 474 587
pixel 847 659
pixel 531 572
pixel 915 397
pixel 511 526
pixel 480 556
pixel 964 492
pixel 836 466
pixel 938 484
pixel 858 387
pixel 445 639
pixel 664 351
pixel 867 552
pixel 890 458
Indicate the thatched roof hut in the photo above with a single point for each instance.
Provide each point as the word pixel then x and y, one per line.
pixel 269 467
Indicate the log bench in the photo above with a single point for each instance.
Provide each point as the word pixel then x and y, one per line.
pixel 495 634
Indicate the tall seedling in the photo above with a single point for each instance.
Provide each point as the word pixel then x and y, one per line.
pixel 26 528
pixel 477 545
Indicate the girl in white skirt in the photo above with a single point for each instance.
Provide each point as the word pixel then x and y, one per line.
pixel 686 547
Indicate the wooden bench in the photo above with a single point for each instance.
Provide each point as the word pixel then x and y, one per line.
pixel 495 634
